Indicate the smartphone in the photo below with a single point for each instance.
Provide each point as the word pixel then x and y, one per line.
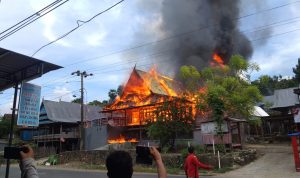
pixel 14 152
pixel 143 155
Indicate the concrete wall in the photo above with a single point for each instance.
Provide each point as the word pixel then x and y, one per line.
pixel 95 137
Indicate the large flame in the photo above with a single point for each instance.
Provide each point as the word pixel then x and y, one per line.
pixel 217 60
pixel 138 90
pixel 121 139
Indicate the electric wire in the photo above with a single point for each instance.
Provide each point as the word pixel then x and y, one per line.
pixel 15 28
pixel 271 35
pixel 180 34
pixel 79 24
pixel 94 58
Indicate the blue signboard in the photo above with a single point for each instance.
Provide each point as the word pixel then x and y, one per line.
pixel 29 106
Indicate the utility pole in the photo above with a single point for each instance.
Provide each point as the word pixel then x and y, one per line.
pixel 82 75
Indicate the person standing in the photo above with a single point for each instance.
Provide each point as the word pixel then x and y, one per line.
pixel 192 164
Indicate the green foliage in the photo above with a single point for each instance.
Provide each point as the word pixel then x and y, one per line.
pixel 77 100
pixel 267 84
pixel 120 90
pixel 173 118
pixel 112 94
pixel 296 71
pixel 255 121
pixel 227 92
pixel 98 103
pixel 199 149
pixel 52 159
pixel 220 147
pixel 4 127
pixel 190 76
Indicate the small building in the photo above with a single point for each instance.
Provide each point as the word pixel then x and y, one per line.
pixel 60 122
pixel 280 107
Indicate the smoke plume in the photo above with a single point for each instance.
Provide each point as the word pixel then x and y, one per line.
pixel 216 31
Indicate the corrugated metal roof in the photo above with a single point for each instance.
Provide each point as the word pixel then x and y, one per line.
pixel 259 112
pixel 283 98
pixel 70 112
pixel 15 67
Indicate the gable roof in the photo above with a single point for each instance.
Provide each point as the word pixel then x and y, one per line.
pixel 146 88
pixel 156 87
pixel 282 98
pixel 69 112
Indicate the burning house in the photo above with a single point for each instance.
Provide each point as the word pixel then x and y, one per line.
pixel 199 33
pixel 142 94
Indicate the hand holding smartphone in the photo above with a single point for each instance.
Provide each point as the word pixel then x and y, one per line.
pixel 14 152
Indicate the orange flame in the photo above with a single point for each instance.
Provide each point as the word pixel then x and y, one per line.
pixel 139 88
pixel 121 139
pixel 153 73
pixel 217 60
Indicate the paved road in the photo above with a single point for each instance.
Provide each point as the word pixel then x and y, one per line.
pixel 276 163
pixel 52 173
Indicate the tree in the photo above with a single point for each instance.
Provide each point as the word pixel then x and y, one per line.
pixel 120 90
pixel 76 100
pixel 226 91
pixel 296 71
pixel 173 119
pixel 4 127
pixel 267 84
pixel 190 75
pixel 98 103
pixel 112 94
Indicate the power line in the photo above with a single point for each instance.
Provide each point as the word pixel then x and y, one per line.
pixel 179 34
pixel 13 29
pixel 164 52
pixel 79 24
pixel 146 44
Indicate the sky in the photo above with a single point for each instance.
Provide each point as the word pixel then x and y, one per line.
pixel 111 44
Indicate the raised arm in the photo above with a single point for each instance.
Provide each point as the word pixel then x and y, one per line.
pixel 28 169
pixel 201 165
pixel 162 173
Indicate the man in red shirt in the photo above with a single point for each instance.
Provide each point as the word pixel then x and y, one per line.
pixel 191 164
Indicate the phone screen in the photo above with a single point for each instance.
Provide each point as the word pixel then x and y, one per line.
pixel 143 155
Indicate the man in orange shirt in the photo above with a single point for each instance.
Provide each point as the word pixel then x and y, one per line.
pixel 191 164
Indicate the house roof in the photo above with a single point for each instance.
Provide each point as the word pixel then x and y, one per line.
pixel 156 87
pixel 259 112
pixel 282 98
pixel 70 112
pixel 15 68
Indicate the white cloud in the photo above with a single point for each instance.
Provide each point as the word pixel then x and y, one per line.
pixel 61 93
pixel 95 39
pixel 49 22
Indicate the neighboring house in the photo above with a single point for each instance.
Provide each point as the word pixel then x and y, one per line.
pixel 280 105
pixel 59 124
pixel 234 130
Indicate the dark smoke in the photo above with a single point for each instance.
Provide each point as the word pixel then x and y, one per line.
pixel 221 34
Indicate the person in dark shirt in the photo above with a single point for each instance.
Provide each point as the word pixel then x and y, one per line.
pixel 119 164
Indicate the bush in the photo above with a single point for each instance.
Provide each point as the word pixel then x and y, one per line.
pixel 221 148
pixel 52 159
pixel 199 149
